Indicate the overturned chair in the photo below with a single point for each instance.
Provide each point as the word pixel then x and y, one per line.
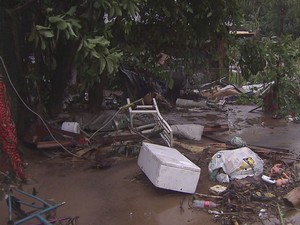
pixel 159 122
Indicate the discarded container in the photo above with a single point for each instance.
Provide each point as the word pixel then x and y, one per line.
pixel 268 179
pixel 167 168
pixel 189 131
pixel 71 127
pixel 204 204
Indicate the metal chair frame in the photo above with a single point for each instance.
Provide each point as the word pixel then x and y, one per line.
pixel 40 206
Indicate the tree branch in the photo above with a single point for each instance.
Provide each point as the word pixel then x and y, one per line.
pixel 21 8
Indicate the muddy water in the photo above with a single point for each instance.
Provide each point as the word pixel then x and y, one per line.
pixel 256 128
pixel 122 194
pixel 118 195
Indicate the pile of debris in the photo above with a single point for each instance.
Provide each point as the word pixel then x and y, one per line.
pixel 251 183
pixel 249 188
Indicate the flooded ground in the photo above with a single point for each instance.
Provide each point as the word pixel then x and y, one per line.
pixel 122 194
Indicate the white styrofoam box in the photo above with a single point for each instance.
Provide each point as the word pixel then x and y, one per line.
pixel 167 168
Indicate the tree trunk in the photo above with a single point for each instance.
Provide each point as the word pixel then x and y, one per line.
pixel 223 58
pixel 96 95
pixel 10 54
pixel 65 59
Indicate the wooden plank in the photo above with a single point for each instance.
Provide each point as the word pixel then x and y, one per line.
pixel 255 148
pixel 53 144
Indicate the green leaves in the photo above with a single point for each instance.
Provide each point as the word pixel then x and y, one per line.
pixel 69 27
pixel 55 26
pixel 130 6
pixel 274 59
pixel 40 34
pixel 98 58
pixel 252 58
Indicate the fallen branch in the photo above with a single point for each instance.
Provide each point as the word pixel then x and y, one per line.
pixel 280 214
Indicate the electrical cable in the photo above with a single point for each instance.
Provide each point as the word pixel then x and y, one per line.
pixel 45 124
pixel 115 114
pixel 43 121
pixel 105 124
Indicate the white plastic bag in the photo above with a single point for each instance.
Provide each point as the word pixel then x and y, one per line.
pixel 235 164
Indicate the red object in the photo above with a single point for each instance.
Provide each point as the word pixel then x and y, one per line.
pixel 8 134
pixel 276 169
pixel 207 204
pixel 204 204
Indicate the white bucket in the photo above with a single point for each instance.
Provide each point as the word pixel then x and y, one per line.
pixel 71 127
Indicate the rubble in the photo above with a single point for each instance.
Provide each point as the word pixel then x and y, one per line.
pixel 265 193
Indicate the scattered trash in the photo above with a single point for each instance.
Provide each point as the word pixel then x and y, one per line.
pixel 238 142
pixel 268 179
pixel 204 204
pixel 217 189
pixel 216 103
pixel 263 214
pixel 39 135
pixel 215 212
pixel 235 164
pixel 282 182
pixel 230 124
pixel 120 123
pixel 189 131
pixel 263 196
pixel 71 127
pixel 294 119
pixel 277 172
pixel 276 169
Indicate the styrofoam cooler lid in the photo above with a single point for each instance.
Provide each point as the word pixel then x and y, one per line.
pixel 170 157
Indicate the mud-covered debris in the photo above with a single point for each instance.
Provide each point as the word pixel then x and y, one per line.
pixel 188 131
pixel 292 198
pixel 217 189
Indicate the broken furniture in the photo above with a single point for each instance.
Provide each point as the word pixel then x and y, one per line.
pixel 167 168
pixel 39 135
pixel 160 123
pixel 41 207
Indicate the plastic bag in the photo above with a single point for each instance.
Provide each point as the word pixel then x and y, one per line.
pixel 235 164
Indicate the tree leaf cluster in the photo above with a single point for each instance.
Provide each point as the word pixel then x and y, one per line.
pixel 274 60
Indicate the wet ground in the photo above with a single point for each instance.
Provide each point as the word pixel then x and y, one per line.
pixel 122 194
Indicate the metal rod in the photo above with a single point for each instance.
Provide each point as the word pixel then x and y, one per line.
pixel 38 214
